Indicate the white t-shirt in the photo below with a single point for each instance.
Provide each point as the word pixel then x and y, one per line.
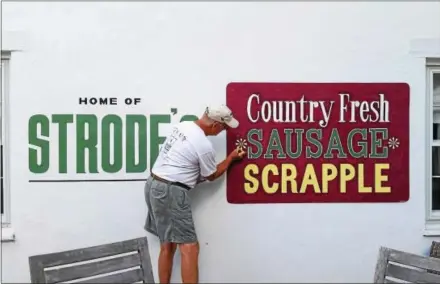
pixel 185 155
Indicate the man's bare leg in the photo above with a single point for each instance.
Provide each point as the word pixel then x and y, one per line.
pixel 190 262
pixel 166 257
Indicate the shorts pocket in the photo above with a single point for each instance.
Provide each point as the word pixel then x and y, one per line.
pixel 159 191
pixel 182 200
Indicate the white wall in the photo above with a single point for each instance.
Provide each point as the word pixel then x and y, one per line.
pixel 183 55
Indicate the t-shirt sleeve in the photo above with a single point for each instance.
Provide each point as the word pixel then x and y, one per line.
pixel 208 165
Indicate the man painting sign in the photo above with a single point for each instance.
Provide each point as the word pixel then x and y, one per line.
pixel 186 158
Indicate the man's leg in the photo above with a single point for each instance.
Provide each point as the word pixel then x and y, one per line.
pixel 181 230
pixel 190 262
pixel 166 257
pixel 159 223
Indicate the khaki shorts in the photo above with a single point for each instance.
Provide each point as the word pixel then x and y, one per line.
pixel 169 212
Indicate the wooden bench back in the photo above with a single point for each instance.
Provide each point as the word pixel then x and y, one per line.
pixel 395 266
pixel 121 262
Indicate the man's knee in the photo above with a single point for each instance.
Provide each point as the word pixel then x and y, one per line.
pixel 168 248
pixel 189 248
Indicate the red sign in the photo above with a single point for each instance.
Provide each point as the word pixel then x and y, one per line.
pixel 319 142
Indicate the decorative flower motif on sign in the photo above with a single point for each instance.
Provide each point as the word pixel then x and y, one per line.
pixel 241 143
pixel 393 143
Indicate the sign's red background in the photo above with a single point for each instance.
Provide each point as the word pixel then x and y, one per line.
pixel 397 94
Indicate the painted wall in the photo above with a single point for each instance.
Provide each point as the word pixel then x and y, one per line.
pixel 176 55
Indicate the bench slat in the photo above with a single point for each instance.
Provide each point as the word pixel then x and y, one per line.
pixel 71 256
pixel 414 260
pixel 131 276
pixel 390 281
pixel 92 269
pixel 146 261
pixel 411 275
pixel 381 265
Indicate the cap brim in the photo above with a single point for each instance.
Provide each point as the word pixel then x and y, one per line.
pixel 233 123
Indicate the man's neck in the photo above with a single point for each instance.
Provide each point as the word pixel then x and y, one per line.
pixel 202 126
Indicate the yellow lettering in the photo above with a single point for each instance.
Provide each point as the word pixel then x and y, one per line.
pixel 379 178
pixel 251 186
pixel 274 179
pixel 361 181
pixel 288 174
pixel 265 178
pixel 347 174
pixel 329 173
pixel 310 179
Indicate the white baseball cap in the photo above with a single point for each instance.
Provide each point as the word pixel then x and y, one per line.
pixel 222 114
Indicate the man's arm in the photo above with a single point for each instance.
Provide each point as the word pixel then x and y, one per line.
pixel 221 168
pixel 208 168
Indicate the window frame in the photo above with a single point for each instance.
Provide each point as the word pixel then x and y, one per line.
pixel 5 62
pixel 432 216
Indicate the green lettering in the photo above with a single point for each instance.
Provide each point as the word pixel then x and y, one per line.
pixel 189 117
pixel 106 164
pixel 86 140
pixel 141 122
pixel 335 144
pixel 42 144
pixel 62 120
pixel 315 142
pixel 363 153
pixel 299 134
pixel 155 139
pixel 274 145
pixel 376 142
pixel 256 143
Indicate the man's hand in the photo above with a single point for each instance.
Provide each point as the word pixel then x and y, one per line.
pixel 238 154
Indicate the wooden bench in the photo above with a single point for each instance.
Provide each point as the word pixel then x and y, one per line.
pixel 121 262
pixel 395 266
